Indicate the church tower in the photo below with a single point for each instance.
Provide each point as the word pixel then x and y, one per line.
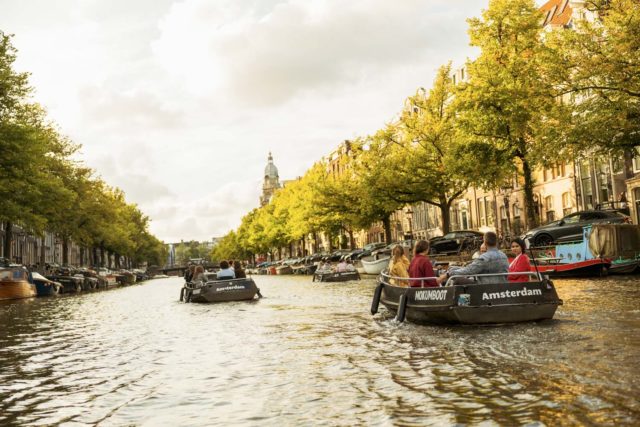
pixel 271 181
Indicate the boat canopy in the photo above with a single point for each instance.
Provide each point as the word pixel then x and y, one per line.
pixel 615 240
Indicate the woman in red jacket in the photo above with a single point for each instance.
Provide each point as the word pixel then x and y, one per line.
pixel 421 266
pixel 520 262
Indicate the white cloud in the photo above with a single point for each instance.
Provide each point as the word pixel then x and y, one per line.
pixel 179 102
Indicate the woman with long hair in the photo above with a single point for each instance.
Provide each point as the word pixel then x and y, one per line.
pixel 398 266
pixel 520 263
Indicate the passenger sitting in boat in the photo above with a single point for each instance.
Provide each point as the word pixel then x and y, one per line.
pixel 398 266
pixel 198 274
pixel 237 268
pixel 350 266
pixel 342 266
pixel 225 272
pixel 491 262
pixel 483 249
pixel 421 266
pixel 520 262
pixel 188 274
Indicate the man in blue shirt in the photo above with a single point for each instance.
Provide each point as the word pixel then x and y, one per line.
pixel 490 262
pixel 226 272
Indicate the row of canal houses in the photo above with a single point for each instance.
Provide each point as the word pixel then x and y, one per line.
pixel 31 250
pixel 566 187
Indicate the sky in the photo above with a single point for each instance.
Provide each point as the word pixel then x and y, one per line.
pixel 179 103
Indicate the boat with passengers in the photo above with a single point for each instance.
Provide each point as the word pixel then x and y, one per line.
pixel 212 289
pixel 489 298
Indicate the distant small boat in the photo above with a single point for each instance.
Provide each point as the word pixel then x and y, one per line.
pixel 374 266
pixel 284 269
pixel 214 290
pixel 335 276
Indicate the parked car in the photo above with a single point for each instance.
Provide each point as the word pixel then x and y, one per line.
pixel 455 242
pixel 337 255
pixel 367 249
pixel 569 228
pixel 406 244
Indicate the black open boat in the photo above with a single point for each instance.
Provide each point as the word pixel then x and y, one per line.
pixel 477 303
pixel 335 276
pixel 214 290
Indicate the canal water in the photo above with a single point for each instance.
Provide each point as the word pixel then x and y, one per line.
pixel 311 354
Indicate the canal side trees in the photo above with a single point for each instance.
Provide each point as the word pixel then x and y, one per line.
pixel 596 71
pixel 506 98
pixel 42 189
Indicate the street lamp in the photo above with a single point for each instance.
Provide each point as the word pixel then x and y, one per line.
pixel 409 214
pixel 506 192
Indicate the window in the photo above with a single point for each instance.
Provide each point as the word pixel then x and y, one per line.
pixel 636 161
pixel 567 204
pixel 572 219
pixel 548 206
pixel 482 212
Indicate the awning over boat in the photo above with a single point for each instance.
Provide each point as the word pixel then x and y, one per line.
pixel 615 240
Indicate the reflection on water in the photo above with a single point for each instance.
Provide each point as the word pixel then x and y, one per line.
pixel 309 353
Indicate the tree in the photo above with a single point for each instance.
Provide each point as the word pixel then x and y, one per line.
pixel 506 99
pixel 595 69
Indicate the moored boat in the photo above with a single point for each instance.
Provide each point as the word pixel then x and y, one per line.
pixel 335 276
pixel 478 303
pixel 69 281
pixel 15 283
pixel 586 268
pixel 624 266
pixel 284 269
pixel 374 266
pixel 214 290
pixel 44 286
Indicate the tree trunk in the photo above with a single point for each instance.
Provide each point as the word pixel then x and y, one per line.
pixel 445 207
pixel 43 256
pixel 117 261
pixel 352 240
pixel 530 206
pixel 82 256
pixel 65 251
pixel 8 237
pixel 386 223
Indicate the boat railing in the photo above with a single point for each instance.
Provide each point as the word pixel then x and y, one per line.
pixel 385 277
pixel 534 274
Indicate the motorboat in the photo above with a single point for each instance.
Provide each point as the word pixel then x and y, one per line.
pixel 374 266
pixel 284 269
pixel 335 276
pixel 219 290
pixel 16 283
pixel 492 300
pixel 44 286
pixel 67 278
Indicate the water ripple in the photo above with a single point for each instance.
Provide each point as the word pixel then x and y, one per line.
pixel 310 354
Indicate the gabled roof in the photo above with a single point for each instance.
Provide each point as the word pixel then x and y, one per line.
pixel 556 12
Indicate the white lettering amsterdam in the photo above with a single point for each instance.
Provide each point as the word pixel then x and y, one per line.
pixel 431 295
pixel 524 292
pixel 230 288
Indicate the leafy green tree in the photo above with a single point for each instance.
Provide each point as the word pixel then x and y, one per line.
pixel 595 69
pixel 506 99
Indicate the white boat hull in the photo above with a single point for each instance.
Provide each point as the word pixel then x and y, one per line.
pixel 374 266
